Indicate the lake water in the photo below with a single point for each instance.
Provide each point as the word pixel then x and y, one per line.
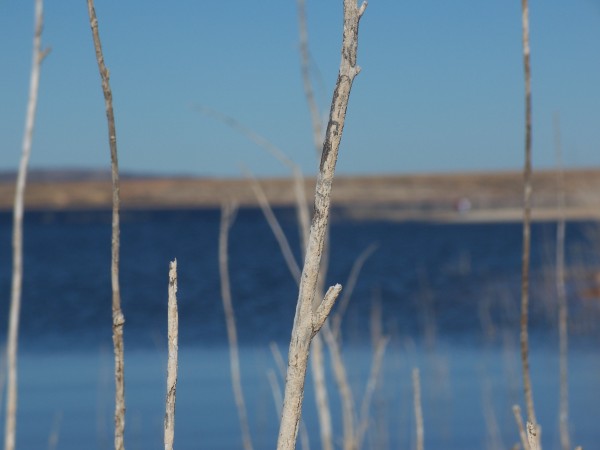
pixel 449 295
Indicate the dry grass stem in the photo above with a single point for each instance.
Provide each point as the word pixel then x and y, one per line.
pixel 336 320
pixel 419 428
pixel 519 420
pixel 282 240
pixel 526 221
pixel 305 69
pixel 117 315
pixel 561 293
pixel 533 436
pixel 346 397
pixel 17 235
pixel 173 336
pixel 365 406
pixel 227 216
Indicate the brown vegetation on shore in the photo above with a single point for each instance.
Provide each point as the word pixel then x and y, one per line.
pixel 493 196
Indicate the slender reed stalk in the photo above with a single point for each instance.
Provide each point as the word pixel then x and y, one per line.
pixel 305 69
pixel 526 222
pixel 419 428
pixel 118 319
pixel 227 216
pixel 173 337
pixel 10 427
pixel 365 406
pixel 563 312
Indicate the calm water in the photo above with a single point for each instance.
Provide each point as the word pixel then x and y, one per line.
pixel 449 295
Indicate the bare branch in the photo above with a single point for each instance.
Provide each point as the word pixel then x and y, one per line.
pixel 304 320
pixel 561 293
pixel 418 409
pixel 227 214
pixel 117 315
pixel 282 240
pixel 17 236
pixel 370 389
pixel 524 337
pixel 173 335
pixel 325 307
pixel 336 320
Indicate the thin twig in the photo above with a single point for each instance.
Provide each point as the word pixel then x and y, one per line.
pixel 419 428
pixel 365 406
pixel 563 314
pixel 308 89
pixel 118 320
pixel 227 214
pixel 17 237
pixel 336 320
pixel 526 222
pixel 282 240
pixel 173 336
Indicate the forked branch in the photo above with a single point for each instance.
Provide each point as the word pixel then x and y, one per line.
pixel 306 322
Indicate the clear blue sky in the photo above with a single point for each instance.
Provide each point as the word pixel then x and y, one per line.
pixel 441 87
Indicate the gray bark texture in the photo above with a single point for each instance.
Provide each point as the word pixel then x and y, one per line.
pixel 173 338
pixel 308 321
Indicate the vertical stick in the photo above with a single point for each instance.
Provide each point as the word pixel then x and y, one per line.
pixel 308 321
pixel 117 315
pixel 526 221
pixel 305 68
pixel 173 335
pixel 227 213
pixel 563 334
pixel 17 237
pixel 418 409
pixel 519 420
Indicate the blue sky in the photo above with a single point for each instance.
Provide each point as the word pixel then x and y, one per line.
pixel 441 87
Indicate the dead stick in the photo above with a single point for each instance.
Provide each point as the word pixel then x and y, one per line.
pixel 118 319
pixel 173 336
pixel 17 237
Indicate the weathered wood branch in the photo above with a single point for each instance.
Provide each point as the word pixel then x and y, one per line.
pixel 118 319
pixel 173 337
pixel 305 318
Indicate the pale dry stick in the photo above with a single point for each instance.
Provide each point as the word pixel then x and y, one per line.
pixel 277 153
pixel 308 89
pixel 519 420
pixel 118 320
pixel 227 215
pixel 336 319
pixel 419 428
pixel 17 235
pixel 284 244
pixel 307 321
pixel 172 362
pixel 365 406
pixel 277 395
pixel 526 222
pixel 346 397
pixel 563 334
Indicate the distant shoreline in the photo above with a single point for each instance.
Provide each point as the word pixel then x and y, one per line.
pixel 458 197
